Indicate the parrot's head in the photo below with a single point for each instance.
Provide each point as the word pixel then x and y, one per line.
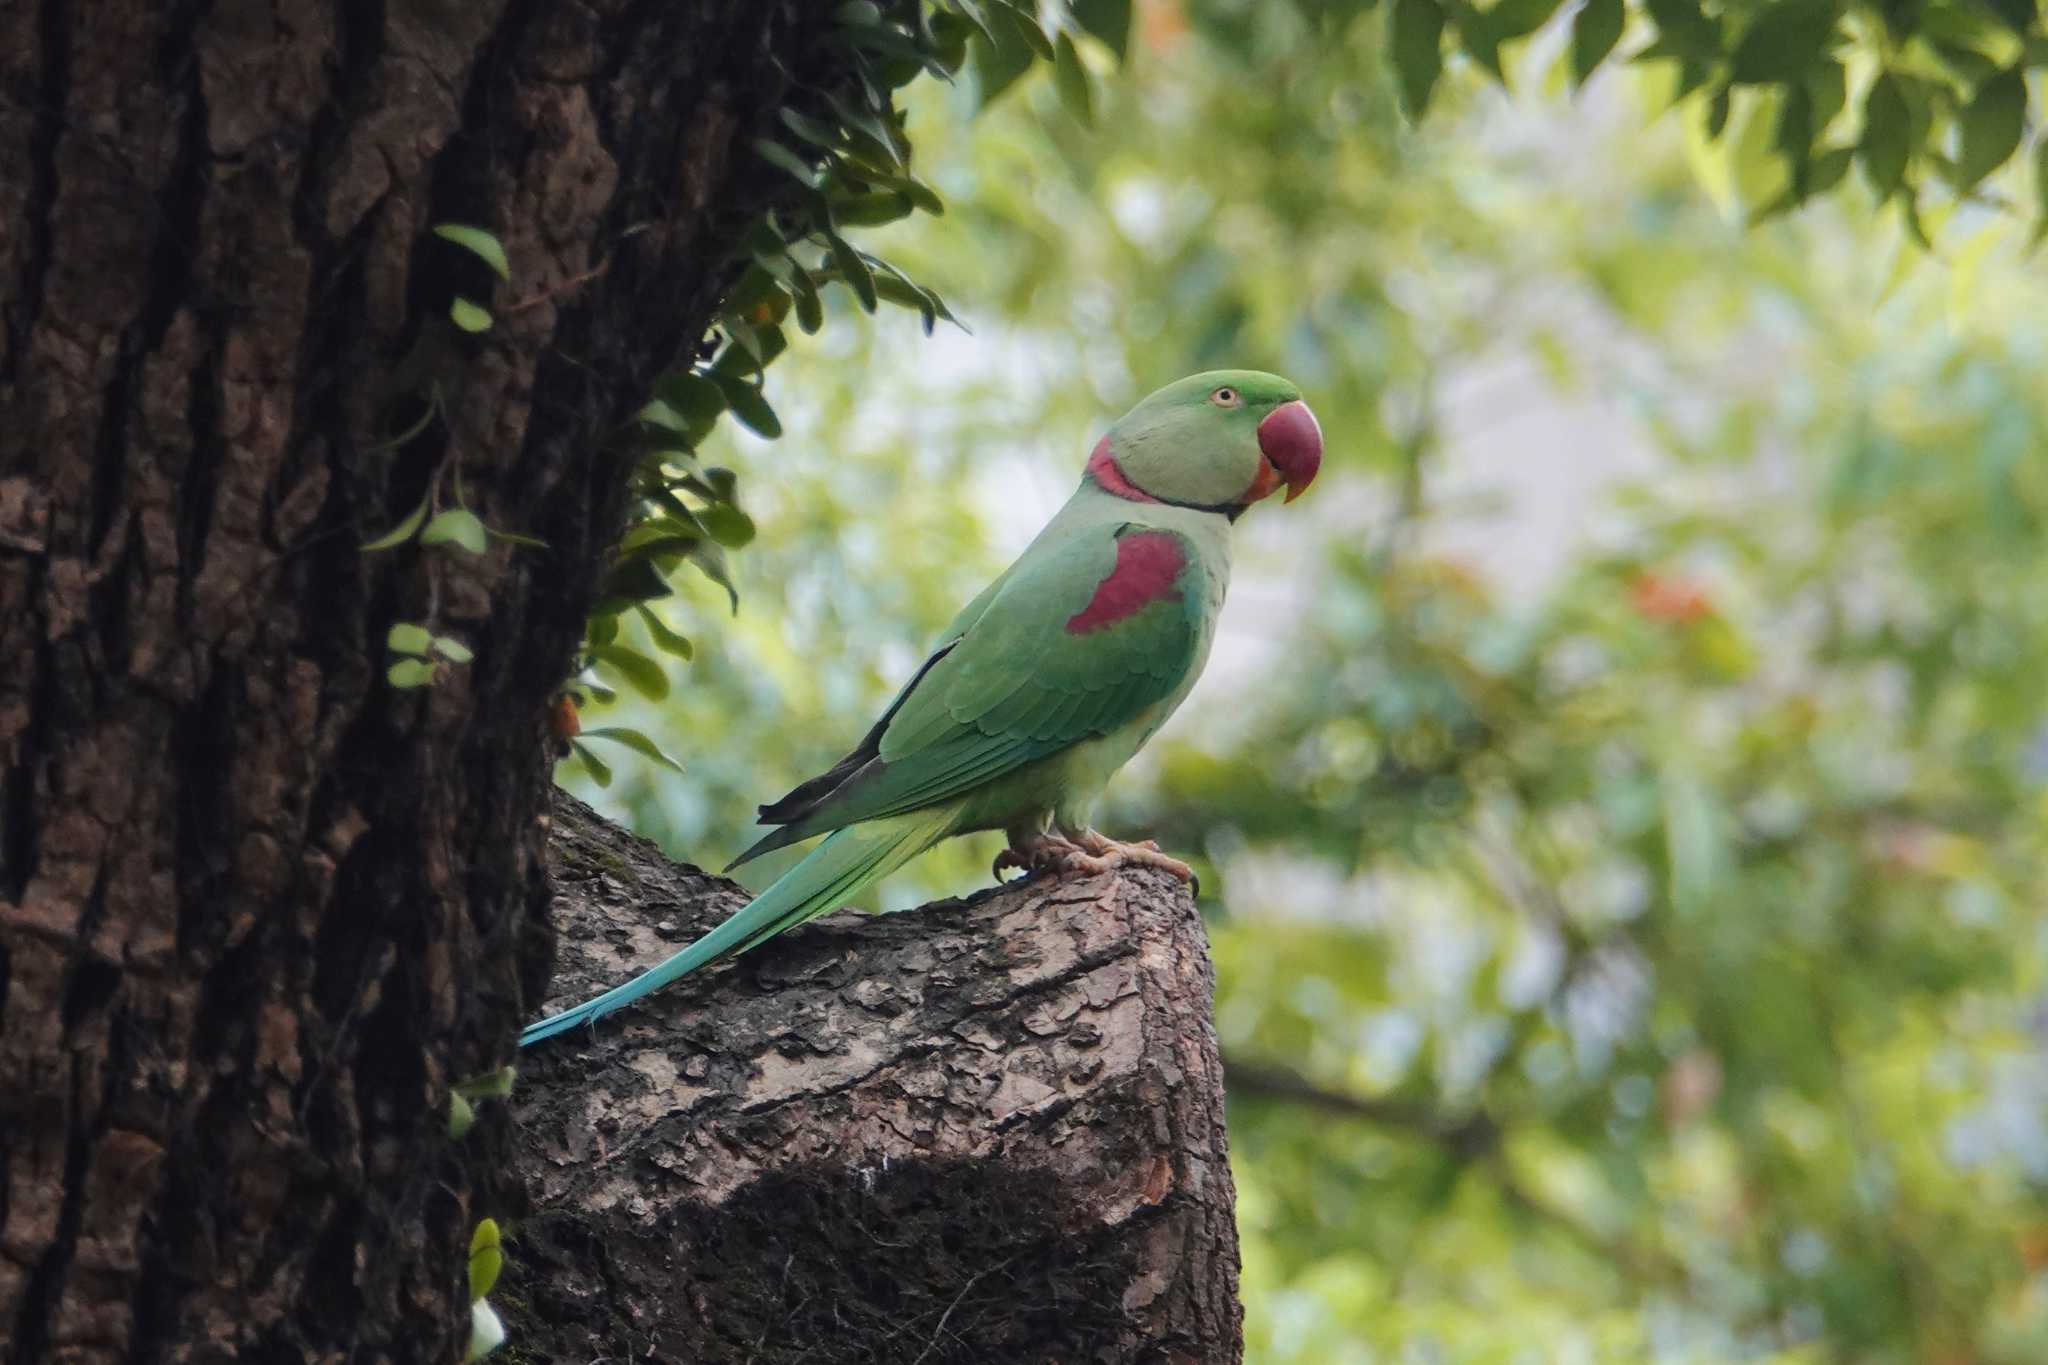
pixel 1220 441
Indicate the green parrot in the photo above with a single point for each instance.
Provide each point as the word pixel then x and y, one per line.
pixel 1048 682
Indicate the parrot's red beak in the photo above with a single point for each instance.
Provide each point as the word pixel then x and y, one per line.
pixel 1293 441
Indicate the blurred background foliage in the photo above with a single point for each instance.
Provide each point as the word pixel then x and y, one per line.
pixel 1619 787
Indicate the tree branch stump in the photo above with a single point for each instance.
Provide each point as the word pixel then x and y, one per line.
pixel 984 1131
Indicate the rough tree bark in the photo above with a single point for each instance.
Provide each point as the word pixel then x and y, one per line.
pixel 983 1131
pixel 257 909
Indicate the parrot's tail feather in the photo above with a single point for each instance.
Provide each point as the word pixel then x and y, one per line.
pixel 843 866
pixel 774 839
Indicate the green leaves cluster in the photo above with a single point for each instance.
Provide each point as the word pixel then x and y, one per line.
pixel 847 151
pixel 467 313
pixel 1659 930
pixel 1918 95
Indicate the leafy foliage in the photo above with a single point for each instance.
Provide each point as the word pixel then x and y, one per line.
pixel 849 153
pixel 1627 946
pixel 1923 95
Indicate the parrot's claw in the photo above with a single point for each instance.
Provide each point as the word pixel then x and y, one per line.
pixel 1036 854
pixel 1095 854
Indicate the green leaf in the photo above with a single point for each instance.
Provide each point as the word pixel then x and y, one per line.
pixel 877 129
pixel 1718 105
pixel 665 639
pixel 1685 29
pixel 899 289
pixel 810 129
pixel 721 481
pixel 1827 85
pixel 728 525
pixel 412 673
pixel 709 557
pixel 810 309
pixel 402 532
pixel 459 526
pixel 1484 30
pixel 469 316
pixel 776 154
pixel 998 63
pixel 757 349
pixel 407 637
pixel 1108 20
pixel 1520 18
pixel 920 193
pixel 635 580
pixel 482 243
pixel 680 523
pixel 872 210
pixel 1072 79
pixel 1030 30
pixel 491 1085
pixel 658 413
pixel 859 14
pixel 461 1116
pixel 1827 170
pixel 853 270
pixel 1794 138
pixel 695 397
pixel 634 740
pixel 485 1258
pixel 1991 125
pixel 1417 51
pixel 2019 15
pixel 452 649
pixel 1887 128
pixel 1595 30
pixel 643 674
pixel 600 771
pixel 1785 41
pixel 749 404
pixel 977 20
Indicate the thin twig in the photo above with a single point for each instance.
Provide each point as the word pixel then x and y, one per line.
pixel 1466 1136
pixel 573 282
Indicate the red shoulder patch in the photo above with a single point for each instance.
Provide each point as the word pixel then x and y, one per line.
pixel 1148 563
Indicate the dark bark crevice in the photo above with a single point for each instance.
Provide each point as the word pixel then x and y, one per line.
pixel 44 121
pixel 257 909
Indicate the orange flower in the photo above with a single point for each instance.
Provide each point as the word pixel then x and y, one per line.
pixel 1161 24
pixel 1661 597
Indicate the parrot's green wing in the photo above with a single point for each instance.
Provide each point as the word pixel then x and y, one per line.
pixel 1078 640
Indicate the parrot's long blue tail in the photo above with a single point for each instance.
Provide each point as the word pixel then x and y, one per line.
pixel 845 864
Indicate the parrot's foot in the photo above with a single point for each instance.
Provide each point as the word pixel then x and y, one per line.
pixel 1036 854
pixel 1095 853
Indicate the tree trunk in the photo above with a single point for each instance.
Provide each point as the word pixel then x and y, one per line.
pixel 257 908
pixel 983 1131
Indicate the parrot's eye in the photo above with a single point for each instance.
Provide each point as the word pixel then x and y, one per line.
pixel 1226 397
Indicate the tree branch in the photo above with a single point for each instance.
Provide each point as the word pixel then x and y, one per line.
pixel 1466 1135
pixel 986 1130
